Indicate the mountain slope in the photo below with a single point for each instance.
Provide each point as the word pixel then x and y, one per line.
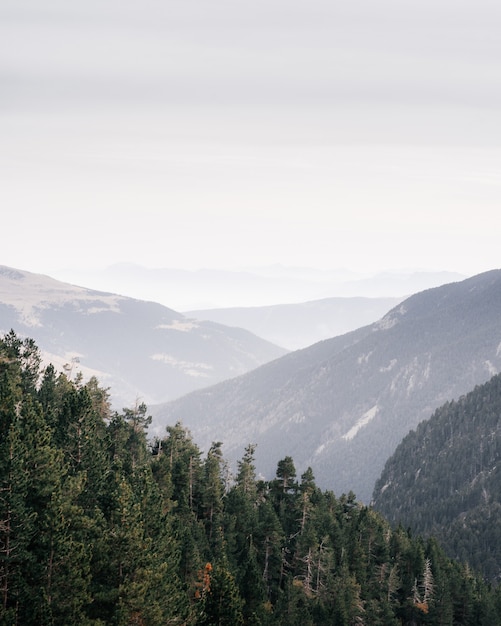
pixel 297 326
pixel 445 479
pixel 141 349
pixel 344 404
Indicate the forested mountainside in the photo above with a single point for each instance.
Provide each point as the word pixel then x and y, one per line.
pixel 139 349
pixel 344 404
pixel 99 528
pixel 444 479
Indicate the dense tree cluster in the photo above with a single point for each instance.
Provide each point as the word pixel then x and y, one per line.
pixel 99 527
pixel 444 479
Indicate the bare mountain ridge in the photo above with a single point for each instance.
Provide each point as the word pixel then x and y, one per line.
pixel 344 404
pixel 139 349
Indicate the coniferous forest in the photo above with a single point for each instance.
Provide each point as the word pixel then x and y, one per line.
pixel 100 526
pixel 444 479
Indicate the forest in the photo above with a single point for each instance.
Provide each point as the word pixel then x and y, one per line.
pixel 444 479
pixel 100 525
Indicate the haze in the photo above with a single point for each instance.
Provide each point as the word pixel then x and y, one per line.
pixel 193 134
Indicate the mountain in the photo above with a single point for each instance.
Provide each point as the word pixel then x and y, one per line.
pixel 296 326
pixel 139 349
pixel 344 404
pixel 208 288
pixel 444 479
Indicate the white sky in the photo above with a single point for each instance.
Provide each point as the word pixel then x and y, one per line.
pixel 226 134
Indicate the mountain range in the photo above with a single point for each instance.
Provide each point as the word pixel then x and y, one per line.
pixel 202 289
pixel 296 326
pixel 343 405
pixel 141 350
pixel 145 349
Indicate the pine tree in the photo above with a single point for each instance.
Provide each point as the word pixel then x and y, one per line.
pixel 212 495
pixel 241 515
pixel 269 537
pixel 221 604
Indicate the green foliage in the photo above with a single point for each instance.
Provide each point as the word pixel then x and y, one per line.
pixel 98 528
pixel 445 479
pixel 220 601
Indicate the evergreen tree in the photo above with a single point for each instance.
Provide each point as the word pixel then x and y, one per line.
pixel 269 537
pixel 241 514
pixel 220 600
pixel 212 496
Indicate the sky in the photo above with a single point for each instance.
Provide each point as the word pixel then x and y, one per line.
pixel 234 134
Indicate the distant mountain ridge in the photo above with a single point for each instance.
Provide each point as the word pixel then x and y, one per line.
pixel 344 404
pixel 444 479
pixel 296 326
pixel 202 289
pixel 139 349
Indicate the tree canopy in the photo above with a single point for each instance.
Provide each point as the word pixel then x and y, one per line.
pixel 99 526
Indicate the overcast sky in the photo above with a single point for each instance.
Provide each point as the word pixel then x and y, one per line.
pixel 363 134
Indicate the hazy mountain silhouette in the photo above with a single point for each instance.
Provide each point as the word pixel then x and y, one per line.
pixel 137 348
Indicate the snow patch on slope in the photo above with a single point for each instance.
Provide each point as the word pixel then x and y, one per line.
pixel 183 326
pixel 364 358
pixel 491 368
pixel 363 421
pixel 297 418
pixel 389 367
pixel 191 369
